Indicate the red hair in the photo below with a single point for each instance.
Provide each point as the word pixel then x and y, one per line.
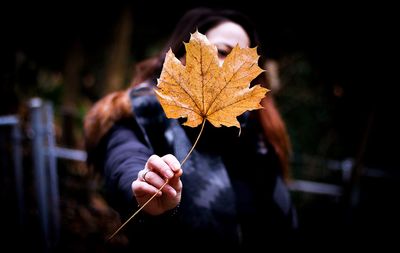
pixel 276 133
pixel 103 115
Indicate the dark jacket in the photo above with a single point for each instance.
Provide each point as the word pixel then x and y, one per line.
pixel 233 192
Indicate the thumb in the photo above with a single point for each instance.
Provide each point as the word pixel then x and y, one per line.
pixel 176 182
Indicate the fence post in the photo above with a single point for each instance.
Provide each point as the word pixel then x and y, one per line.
pixel 53 175
pixel 35 105
pixel 16 137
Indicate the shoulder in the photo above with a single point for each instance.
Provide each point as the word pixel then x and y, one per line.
pixel 104 114
pixel 146 108
pixel 139 101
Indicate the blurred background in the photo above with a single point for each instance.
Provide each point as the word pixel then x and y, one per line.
pixel 332 86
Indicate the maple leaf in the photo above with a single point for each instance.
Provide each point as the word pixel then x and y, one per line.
pixel 203 90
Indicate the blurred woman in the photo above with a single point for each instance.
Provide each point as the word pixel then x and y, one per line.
pixel 231 192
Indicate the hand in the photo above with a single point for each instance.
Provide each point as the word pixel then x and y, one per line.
pixel 156 171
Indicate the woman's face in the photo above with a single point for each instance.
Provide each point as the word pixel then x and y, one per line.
pixel 226 36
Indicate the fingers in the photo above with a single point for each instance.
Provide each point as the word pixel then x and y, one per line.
pixel 158 169
pixel 159 166
pixel 167 166
pixel 175 165
pixel 176 184
pixel 155 180
pixel 141 189
pixel 172 162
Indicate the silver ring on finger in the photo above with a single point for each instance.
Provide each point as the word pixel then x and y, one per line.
pixel 144 175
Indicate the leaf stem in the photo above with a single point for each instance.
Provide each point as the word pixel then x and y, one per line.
pixel 137 211
pixel 162 186
pixel 195 143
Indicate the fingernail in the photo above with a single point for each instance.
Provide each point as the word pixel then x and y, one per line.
pixel 170 174
pixel 177 166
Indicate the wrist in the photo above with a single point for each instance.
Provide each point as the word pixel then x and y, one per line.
pixel 164 217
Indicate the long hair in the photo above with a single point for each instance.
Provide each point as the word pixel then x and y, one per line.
pixel 203 19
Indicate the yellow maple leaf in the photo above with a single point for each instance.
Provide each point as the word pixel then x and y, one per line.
pixel 203 90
